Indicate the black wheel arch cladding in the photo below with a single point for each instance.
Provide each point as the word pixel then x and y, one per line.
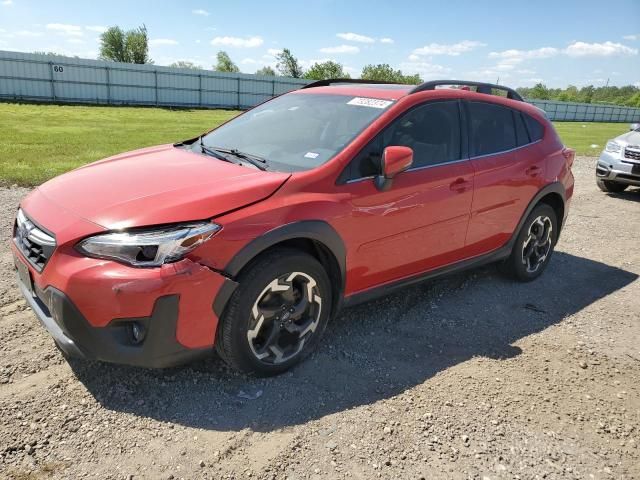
pixel 316 231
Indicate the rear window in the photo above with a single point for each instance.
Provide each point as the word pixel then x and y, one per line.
pixel 492 128
pixel 536 130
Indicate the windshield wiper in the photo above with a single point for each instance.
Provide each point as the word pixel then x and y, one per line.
pixel 254 160
pixel 215 154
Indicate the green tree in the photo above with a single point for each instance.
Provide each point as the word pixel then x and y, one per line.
pixel 624 95
pixel 266 70
pixel 540 92
pixel 131 46
pixel 185 64
pixel 225 64
pixel 384 73
pixel 325 71
pixel 586 94
pixel 288 65
pixel 55 54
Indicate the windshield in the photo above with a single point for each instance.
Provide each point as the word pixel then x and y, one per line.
pixel 298 131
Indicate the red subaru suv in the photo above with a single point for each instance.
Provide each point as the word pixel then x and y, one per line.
pixel 248 239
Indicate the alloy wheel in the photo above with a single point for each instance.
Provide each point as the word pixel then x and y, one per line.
pixel 284 317
pixel 537 245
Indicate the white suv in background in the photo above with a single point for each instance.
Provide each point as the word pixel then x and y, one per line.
pixel 619 163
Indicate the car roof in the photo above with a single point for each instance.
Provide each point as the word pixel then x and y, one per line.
pixel 386 91
pixel 394 91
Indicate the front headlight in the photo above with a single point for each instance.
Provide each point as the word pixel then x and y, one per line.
pixel 613 147
pixel 149 248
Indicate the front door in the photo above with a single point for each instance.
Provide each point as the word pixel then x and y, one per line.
pixel 419 223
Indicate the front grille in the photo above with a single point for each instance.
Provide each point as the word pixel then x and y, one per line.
pixel 632 153
pixel 34 243
pixel 626 176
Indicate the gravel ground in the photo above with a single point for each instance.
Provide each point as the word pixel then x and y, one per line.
pixel 471 376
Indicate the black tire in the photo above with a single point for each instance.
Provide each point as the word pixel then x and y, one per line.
pixel 528 259
pixel 241 335
pixel 610 187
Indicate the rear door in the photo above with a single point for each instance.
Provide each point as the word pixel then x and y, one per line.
pixel 508 172
pixel 420 223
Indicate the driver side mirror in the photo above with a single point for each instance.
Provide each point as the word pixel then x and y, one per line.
pixel 395 160
pixel 634 126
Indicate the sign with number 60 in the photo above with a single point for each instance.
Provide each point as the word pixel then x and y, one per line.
pixel 58 69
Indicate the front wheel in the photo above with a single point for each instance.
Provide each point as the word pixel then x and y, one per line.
pixel 277 314
pixel 610 187
pixel 534 245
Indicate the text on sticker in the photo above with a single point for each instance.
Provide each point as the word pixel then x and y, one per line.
pixel 369 102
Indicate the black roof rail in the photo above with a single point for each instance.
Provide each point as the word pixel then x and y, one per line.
pixel 331 81
pixel 481 87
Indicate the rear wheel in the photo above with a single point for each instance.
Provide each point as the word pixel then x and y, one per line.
pixel 277 314
pixel 534 245
pixel 610 187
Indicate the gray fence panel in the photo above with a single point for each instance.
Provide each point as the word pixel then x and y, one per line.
pixel 47 78
pixel 587 112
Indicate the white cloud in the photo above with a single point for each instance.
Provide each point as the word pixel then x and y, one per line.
pixel 355 37
pixel 606 49
pixel 531 81
pixel 576 49
pixel 274 51
pixel 632 37
pixel 525 71
pixel 96 28
pixel 65 29
pixel 386 40
pixel 514 56
pixel 75 41
pixel 27 33
pixel 414 58
pixel 156 42
pixel 424 69
pixel 351 49
pixel 201 12
pixel 249 61
pixel 238 42
pixel 7 3
pixel 453 49
pixel 313 61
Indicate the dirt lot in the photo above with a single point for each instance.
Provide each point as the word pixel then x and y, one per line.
pixel 471 376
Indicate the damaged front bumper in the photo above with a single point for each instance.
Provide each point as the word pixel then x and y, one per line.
pixel 104 310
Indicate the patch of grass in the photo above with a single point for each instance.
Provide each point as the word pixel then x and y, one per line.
pixel 589 138
pixel 38 142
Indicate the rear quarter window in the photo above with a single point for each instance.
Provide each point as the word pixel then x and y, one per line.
pixel 536 130
pixel 522 135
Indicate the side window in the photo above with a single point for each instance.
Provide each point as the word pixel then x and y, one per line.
pixel 432 130
pixel 367 162
pixel 536 130
pixel 492 128
pixel 521 130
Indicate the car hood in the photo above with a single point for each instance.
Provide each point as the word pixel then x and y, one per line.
pixel 630 138
pixel 158 185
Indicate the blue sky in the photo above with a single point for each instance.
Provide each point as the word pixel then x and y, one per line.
pixel 520 43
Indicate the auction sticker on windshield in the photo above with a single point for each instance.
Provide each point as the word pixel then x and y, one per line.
pixel 369 102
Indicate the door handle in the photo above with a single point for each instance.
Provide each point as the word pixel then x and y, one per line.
pixel 533 171
pixel 460 185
